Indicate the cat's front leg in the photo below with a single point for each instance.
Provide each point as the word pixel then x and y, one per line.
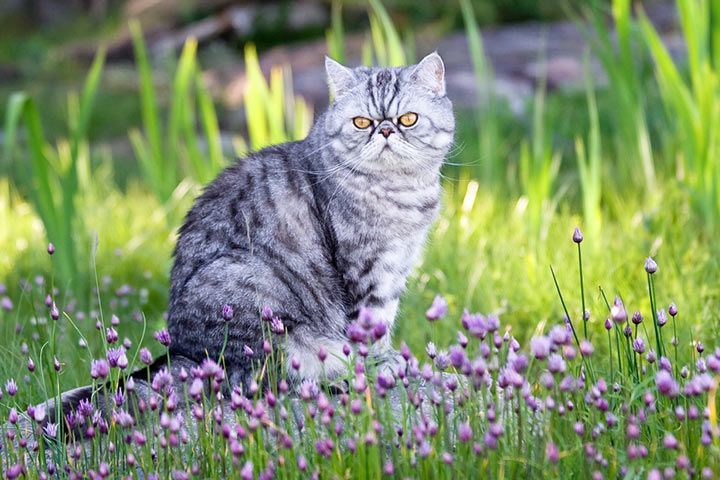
pixel 388 360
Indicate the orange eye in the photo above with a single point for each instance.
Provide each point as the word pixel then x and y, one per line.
pixel 362 122
pixel 408 119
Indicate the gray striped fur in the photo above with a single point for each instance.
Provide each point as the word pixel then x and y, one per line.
pixel 315 229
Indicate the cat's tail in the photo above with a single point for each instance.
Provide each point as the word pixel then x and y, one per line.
pixel 86 401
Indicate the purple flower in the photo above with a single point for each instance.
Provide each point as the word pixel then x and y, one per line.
pixel 54 312
pixel 492 323
pixel 577 236
pixel 556 364
pixel 637 317
pixel 276 326
pixel 661 317
pixel 266 313
pixel 356 333
pixel 670 442
pixel 246 473
pixel 99 368
pixel 639 345
pixel 322 353
pixel 146 356
pixel 559 335
pixel 552 453
pixel 618 312
pixel 438 309
pixel 227 312
pixel 14 471
pixel 651 356
pixel 162 379
pixel 85 408
pixel 117 358
pixel 475 324
pixel 123 418
pixel 379 330
pixel 465 432
pixel 608 324
pixel 665 383
pixel 586 348
pixel 540 347
pixel 163 336
pixel 386 381
pixel 248 351
pixel 50 248
pixel 672 309
pixel 196 389
pixel 650 266
pixel 39 413
pixel 457 356
pixel 111 335
pixel 6 304
pixel 442 361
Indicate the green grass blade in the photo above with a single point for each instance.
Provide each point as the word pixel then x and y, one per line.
pixel 395 52
pixel 209 122
pixel 149 112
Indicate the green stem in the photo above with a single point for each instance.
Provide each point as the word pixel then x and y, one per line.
pixel 582 291
pixel 654 315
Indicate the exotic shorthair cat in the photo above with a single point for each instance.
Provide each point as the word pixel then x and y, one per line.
pixel 317 228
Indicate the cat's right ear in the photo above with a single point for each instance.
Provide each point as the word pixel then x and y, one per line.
pixel 340 78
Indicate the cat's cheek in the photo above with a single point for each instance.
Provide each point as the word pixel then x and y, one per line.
pixel 443 140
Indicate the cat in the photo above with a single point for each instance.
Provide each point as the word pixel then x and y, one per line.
pixel 314 230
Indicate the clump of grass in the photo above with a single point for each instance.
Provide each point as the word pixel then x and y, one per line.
pixel 480 406
pixel 56 169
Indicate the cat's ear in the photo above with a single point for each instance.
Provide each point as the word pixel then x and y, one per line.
pixel 430 73
pixel 340 78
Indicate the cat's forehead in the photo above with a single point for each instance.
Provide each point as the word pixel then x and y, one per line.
pixel 381 76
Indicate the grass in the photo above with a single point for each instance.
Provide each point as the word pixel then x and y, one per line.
pixel 562 409
pixel 515 188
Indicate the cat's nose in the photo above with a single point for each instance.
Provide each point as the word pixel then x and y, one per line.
pixel 386 131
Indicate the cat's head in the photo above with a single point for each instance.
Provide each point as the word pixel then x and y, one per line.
pixel 385 119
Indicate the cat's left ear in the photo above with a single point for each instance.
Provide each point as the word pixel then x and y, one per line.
pixel 430 73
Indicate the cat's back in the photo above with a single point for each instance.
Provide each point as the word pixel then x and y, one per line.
pixel 265 200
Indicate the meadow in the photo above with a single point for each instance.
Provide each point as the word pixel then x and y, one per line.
pixel 534 348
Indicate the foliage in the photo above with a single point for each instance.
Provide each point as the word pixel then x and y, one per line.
pixel 56 171
pixel 592 404
pixel 693 103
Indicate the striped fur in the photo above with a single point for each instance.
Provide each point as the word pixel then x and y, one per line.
pixel 318 228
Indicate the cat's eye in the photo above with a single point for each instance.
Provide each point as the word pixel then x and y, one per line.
pixel 408 119
pixel 362 122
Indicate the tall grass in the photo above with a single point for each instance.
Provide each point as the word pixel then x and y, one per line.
pixel 56 169
pixel 538 168
pixel 167 155
pixel 693 101
pixel 487 113
pixel 620 61
pixel 589 162
pixel 273 113
pixel 384 47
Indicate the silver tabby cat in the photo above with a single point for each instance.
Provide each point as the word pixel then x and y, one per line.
pixel 316 229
